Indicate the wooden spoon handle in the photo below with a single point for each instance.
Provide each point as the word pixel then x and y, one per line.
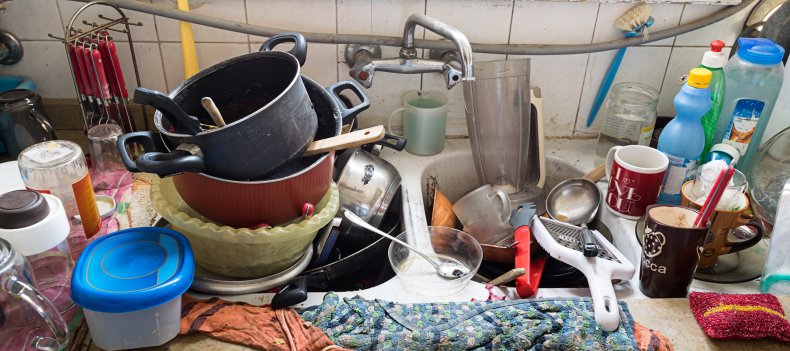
pixel 596 174
pixel 345 141
pixel 213 111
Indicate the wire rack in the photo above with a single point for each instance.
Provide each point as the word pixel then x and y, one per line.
pixel 96 69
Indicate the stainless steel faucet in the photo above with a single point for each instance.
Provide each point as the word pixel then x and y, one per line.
pixel 456 68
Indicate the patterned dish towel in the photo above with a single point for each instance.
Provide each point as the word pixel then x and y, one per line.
pixel 547 324
pixel 740 316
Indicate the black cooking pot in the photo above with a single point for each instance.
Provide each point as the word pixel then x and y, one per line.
pixel 270 119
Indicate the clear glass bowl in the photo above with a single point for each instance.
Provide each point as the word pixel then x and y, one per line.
pixel 420 278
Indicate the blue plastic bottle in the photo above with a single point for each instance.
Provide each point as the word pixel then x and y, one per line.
pixel 683 139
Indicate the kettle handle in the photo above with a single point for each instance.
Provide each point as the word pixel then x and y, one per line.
pixel 300 45
pixel 45 309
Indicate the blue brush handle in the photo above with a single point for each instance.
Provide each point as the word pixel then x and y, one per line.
pixel 605 85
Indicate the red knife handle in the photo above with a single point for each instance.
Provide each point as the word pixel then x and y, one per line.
pixel 103 85
pixel 86 82
pixel 107 63
pixel 75 67
pixel 87 57
pixel 118 72
pixel 524 286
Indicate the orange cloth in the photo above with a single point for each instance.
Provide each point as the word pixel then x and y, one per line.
pixel 255 326
pixel 651 340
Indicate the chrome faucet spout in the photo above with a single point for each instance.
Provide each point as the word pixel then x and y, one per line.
pixel 445 30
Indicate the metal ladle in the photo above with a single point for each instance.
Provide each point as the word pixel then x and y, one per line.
pixel 444 270
pixel 576 201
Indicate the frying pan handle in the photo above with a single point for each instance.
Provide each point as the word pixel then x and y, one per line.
pixel 300 45
pixel 348 113
pixel 168 107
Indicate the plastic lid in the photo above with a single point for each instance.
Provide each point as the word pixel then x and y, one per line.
pixel 727 149
pixel 699 77
pixel 760 51
pixel 714 58
pixel 132 270
pixel 46 226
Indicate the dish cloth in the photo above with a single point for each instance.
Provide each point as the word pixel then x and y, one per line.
pixel 740 316
pixel 260 327
pixel 548 324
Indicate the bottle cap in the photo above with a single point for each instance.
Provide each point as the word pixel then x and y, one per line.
pixel 22 208
pixel 699 77
pixel 729 150
pixel 760 51
pixel 714 58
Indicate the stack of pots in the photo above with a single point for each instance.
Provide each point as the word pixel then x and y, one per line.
pixel 249 172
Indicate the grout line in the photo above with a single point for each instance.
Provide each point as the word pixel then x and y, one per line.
pixel 246 20
pixel 60 17
pixel 510 29
pixel 584 79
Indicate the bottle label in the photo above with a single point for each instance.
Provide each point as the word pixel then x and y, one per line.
pixel 647 134
pixel 680 170
pixel 622 126
pixel 743 123
pixel 51 152
pixel 86 204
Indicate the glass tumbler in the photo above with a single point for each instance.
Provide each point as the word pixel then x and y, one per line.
pixel 629 117
pixel 731 198
pixel 107 169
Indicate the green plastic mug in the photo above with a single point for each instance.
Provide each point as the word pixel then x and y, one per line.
pixel 424 121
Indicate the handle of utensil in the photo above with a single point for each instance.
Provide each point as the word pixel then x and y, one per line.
pixel 610 160
pixel 45 309
pixel 596 173
pixel 104 86
pixel 524 287
pixel 395 142
pixel 117 70
pixel 605 307
pixel 348 113
pixel 759 232
pixel 170 163
pixel 106 62
pixel 76 68
pixel 90 84
pixel 168 107
pixel 345 141
pixel 389 120
pixel 589 248
pixel 300 45
pixel 506 210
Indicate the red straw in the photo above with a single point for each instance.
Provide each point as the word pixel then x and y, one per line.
pixel 714 196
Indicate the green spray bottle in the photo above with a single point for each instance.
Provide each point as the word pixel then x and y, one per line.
pixel 713 61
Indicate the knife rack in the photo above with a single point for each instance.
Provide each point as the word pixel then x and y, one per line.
pixel 100 85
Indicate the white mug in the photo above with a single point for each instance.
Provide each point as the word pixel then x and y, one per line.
pixel 485 214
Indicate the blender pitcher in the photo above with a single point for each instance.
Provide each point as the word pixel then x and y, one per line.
pixel 27 318
pixel 506 136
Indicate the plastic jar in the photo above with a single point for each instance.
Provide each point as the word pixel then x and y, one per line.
pixel 629 117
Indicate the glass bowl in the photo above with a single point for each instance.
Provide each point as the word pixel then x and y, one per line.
pixel 417 276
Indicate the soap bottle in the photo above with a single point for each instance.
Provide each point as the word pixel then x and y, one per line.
pixel 683 139
pixel 754 76
pixel 713 61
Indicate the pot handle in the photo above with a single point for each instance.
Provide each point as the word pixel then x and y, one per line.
pixel 154 160
pixel 300 45
pixel 295 291
pixel 395 142
pixel 348 113
pixel 167 107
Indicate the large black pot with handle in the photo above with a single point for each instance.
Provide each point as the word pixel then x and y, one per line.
pixel 268 114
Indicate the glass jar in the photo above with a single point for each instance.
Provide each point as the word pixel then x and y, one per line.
pixel 629 117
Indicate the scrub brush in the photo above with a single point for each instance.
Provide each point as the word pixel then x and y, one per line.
pixel 633 22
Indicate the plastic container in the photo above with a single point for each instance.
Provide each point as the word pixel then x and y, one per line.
pixel 36 225
pixel 242 252
pixel 754 77
pixel 683 139
pixel 417 276
pixel 129 284
pixel 714 61
pixel 776 273
pixel 781 108
pixel 629 117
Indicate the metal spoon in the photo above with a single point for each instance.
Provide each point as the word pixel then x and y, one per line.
pixel 444 270
pixel 576 201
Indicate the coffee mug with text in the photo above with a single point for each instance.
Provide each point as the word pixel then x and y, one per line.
pixel 635 175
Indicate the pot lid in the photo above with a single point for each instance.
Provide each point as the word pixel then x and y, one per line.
pixel 132 270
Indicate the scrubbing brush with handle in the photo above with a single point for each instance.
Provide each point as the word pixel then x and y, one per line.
pixel 633 22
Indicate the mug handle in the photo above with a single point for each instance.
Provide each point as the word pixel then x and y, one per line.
pixel 45 309
pixel 505 205
pixel 754 223
pixel 610 160
pixel 389 120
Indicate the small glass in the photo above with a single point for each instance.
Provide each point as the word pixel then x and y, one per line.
pixel 731 199
pixel 107 169
pixel 629 117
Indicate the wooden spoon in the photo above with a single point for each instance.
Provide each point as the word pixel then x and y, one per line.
pixel 345 141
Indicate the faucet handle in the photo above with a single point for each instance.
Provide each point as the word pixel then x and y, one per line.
pixel 363 73
pixel 452 75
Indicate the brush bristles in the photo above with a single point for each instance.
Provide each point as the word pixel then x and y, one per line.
pixel 633 18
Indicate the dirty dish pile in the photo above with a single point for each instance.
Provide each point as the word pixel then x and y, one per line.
pixel 450 246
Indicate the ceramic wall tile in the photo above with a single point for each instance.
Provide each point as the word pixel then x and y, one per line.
pixel 664 16
pixel 726 30
pixel 389 16
pixel 149 60
pixel 547 22
pixel 643 64
pixel 481 24
pixel 46 63
pixel 354 16
pixel 321 63
pixel 680 62
pixel 146 32
pixel 207 53
pixel 303 15
pixel 169 29
pixel 32 19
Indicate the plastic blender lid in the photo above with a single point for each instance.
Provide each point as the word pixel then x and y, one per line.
pixel 132 270
pixel 760 51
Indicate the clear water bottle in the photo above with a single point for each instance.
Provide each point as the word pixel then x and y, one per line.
pixel 629 117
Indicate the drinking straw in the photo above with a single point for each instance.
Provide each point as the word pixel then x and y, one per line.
pixel 714 196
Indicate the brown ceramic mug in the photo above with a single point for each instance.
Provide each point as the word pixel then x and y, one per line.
pixel 670 252
pixel 723 223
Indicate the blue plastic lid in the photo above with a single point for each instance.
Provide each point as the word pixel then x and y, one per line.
pixel 760 51
pixel 132 270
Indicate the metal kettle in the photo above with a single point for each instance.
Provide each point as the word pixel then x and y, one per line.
pixel 23 121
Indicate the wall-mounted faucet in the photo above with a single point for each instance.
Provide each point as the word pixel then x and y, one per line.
pixel 456 67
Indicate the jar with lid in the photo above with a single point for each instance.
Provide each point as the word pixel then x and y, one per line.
pixel 629 117
pixel 58 167
pixel 36 226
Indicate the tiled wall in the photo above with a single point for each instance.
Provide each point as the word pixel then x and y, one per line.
pixel 569 83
